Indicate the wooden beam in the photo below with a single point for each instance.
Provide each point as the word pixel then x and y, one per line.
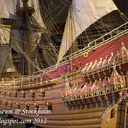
pixel 75 46
pixel 38 30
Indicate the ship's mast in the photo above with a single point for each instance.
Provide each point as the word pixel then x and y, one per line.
pixel 25 11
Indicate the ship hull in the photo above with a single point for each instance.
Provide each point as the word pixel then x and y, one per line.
pixel 75 114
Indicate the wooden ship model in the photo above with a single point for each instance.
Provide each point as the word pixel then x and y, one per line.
pixel 85 90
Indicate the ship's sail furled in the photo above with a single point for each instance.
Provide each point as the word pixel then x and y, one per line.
pixel 16 40
pixel 7 9
pixel 81 15
pixel 6 64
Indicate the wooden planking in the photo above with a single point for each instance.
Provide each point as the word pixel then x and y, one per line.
pixel 60 125
pixel 59 109
pixel 109 122
pixel 121 114
pixel 81 122
pixel 60 112
pixel 63 117
pixel 75 122
pixel 70 121
pixel 75 126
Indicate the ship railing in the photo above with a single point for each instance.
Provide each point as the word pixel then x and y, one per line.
pixel 8 83
pixel 117 32
pixel 25 78
pixel 106 38
pixel 112 35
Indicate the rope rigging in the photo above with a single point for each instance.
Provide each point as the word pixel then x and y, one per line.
pixel 46 45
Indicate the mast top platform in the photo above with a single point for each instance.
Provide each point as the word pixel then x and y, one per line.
pixel 24 9
pixel 21 10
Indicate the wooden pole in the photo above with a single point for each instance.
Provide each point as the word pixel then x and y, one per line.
pixel 26 20
pixel 75 46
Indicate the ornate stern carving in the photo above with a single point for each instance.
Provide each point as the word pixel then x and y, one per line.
pixel 99 63
pixel 123 53
pixel 94 86
pixel 116 81
pixel 102 92
pixel 110 58
pixel 83 91
pixel 84 69
pixel 89 67
pixel 65 91
pixel 104 61
pixel 94 65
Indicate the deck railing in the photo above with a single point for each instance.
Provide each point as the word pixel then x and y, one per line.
pixel 112 35
pixel 106 38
